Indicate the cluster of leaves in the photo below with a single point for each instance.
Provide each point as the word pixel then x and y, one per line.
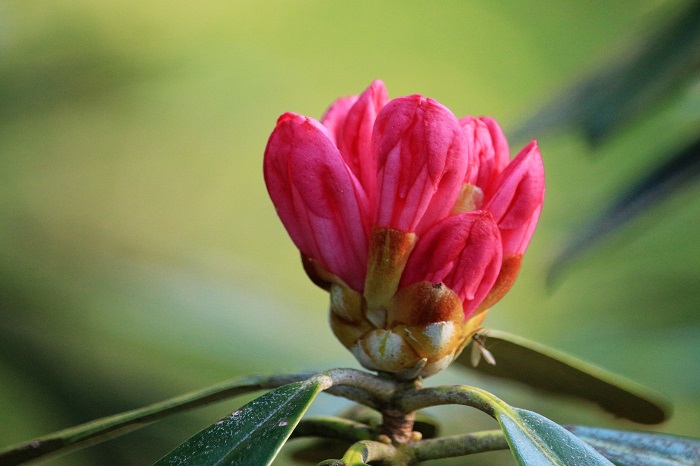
pixel 255 433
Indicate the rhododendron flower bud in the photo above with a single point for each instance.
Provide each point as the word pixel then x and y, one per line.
pixel 414 221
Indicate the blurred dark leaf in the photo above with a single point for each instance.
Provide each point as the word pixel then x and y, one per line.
pixel 536 441
pixel 252 434
pixel 545 368
pixel 679 170
pixel 628 448
pixel 628 86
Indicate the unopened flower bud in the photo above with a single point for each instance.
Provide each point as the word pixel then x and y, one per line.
pixel 414 221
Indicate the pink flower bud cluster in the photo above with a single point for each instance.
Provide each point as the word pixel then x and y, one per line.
pixel 414 220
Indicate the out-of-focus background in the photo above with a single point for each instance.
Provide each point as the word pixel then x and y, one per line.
pixel 140 256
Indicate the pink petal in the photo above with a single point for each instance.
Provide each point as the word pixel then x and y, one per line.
pixel 463 252
pixel 489 150
pixel 319 201
pixel 517 199
pixel 500 144
pixel 355 142
pixel 334 118
pixel 421 158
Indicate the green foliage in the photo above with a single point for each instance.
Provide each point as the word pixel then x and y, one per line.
pixel 657 68
pixel 252 434
pixel 645 74
pixel 547 369
pixel 535 440
pixel 628 448
pixel 255 433
pixel 140 258
pixel 120 424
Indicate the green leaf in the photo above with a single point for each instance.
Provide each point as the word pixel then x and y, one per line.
pixel 533 439
pixel 252 434
pixel 631 85
pixel 537 441
pixel 628 448
pixel 102 429
pixel 677 171
pixel 545 368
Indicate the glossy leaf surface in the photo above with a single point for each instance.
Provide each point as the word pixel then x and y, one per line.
pixel 629 448
pixel 545 368
pixel 536 441
pixel 252 434
pixel 102 429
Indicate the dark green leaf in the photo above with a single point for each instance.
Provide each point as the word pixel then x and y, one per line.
pixel 548 369
pixel 628 448
pixel 113 426
pixel 629 85
pixel 251 435
pixel 681 169
pixel 537 441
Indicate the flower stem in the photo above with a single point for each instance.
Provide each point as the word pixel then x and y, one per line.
pixel 412 400
pixel 369 450
pixel 398 425
pixel 459 445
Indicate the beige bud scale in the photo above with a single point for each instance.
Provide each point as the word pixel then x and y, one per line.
pixel 416 330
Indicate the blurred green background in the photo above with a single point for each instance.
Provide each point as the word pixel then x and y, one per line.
pixel 140 256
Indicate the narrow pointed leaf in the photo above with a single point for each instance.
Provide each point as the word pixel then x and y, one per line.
pixel 533 439
pixel 545 368
pixel 252 434
pixel 630 85
pixel 680 170
pixel 102 429
pixel 536 441
pixel 628 448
